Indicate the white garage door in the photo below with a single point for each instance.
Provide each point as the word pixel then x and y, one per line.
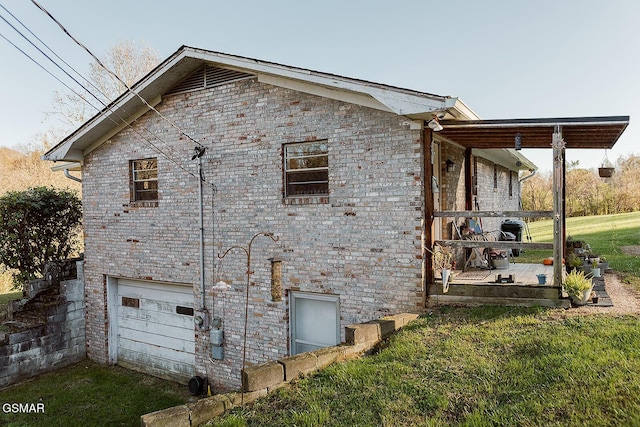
pixel 154 328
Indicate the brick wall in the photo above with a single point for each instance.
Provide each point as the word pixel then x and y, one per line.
pixel 493 194
pixel 362 243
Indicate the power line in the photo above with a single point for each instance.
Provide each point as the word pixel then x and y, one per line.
pixel 112 73
pixel 158 150
pixel 105 96
pixel 82 97
pixel 48 57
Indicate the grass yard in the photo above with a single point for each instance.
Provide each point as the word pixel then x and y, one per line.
pixel 483 366
pixel 486 366
pixel 88 394
pixel 607 235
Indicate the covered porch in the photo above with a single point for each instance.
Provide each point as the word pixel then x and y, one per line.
pixel 518 283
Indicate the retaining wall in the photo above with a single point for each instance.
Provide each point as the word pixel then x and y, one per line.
pixel 259 380
pixel 57 340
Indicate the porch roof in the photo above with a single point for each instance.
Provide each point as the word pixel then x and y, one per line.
pixel 577 132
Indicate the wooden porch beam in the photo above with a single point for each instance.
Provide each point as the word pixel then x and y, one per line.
pixel 496 244
pixel 494 214
pixel 429 206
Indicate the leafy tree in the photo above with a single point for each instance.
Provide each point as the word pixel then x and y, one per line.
pixel 37 225
pixel 537 194
pixel 128 60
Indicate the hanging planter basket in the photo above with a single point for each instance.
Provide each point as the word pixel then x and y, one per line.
pixel 606 168
pixel 605 172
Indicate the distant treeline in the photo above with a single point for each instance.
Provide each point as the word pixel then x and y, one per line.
pixel 587 193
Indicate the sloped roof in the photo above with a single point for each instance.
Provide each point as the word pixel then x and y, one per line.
pixel 577 132
pixel 412 104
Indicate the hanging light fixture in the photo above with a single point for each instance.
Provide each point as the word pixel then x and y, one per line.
pixel 451 167
pixel 435 125
pixel 518 141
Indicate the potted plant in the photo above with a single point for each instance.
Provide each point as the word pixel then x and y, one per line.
pixel 605 170
pixel 573 262
pixel 578 287
pixel 604 263
pixel 595 268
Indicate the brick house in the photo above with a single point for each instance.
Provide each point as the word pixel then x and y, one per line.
pixel 338 169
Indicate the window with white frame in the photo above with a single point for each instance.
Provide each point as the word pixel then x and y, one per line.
pixel 306 169
pixel 144 180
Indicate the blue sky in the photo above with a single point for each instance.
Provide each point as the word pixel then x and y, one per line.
pixel 504 59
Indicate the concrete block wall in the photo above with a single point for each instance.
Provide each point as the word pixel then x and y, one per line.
pixel 57 343
pixel 260 380
pixel 362 242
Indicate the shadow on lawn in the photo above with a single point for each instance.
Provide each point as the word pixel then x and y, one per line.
pixel 89 394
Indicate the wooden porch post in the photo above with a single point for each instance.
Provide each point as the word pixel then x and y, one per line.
pixel 428 274
pixel 558 146
pixel 468 180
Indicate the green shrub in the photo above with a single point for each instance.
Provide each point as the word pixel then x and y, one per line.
pixel 37 225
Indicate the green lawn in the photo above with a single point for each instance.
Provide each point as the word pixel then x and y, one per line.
pixel 487 366
pixel 606 234
pixel 484 366
pixel 88 394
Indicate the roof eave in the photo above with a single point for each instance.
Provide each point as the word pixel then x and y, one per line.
pixel 128 106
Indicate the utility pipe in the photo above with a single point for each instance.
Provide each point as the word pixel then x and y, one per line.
pixel 198 153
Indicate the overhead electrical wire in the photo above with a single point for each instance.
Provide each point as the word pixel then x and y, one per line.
pixel 82 97
pixel 155 147
pixel 175 126
pixel 199 149
pixel 105 96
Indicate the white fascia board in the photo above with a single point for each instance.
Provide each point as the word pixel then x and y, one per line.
pixel 70 152
pixel 401 102
pixel 460 110
pixel 323 91
pixel 59 152
pixel 367 96
pixel 72 166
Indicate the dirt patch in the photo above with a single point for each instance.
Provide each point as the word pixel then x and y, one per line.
pixel 631 250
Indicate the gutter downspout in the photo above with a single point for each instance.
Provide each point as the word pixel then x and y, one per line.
pixel 523 179
pixel 533 173
pixel 71 177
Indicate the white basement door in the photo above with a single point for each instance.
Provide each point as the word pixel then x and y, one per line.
pixel 155 329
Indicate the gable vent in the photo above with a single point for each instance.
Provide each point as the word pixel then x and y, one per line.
pixel 207 77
